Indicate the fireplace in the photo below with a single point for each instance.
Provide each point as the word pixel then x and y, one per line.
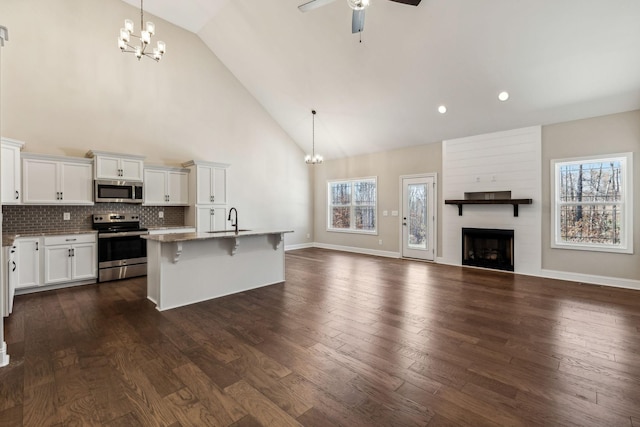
pixel 488 248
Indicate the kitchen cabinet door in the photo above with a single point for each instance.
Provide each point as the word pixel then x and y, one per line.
pixel 132 170
pixel 154 187
pixel 53 180
pixel 84 261
pixel 28 262
pixel 178 188
pixel 11 170
pixel 113 166
pixel 76 183
pixel 57 261
pixel 40 181
pixel 211 185
pixel 211 218
pixel 166 186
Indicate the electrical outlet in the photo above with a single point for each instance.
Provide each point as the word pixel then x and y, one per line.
pixel 380 241
pixel 308 236
pixel 385 213
pixel 161 214
pixel 66 216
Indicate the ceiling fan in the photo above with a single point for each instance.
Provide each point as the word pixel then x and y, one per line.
pixel 358 6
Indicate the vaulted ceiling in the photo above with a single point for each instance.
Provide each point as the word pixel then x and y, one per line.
pixel 559 60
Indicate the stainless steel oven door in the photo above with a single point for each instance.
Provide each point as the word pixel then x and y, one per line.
pixel 121 255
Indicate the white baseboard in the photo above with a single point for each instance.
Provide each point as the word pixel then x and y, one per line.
pixel 4 357
pixel 298 246
pixel 615 282
pixel 590 279
pixel 386 254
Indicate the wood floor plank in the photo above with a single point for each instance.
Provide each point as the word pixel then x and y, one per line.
pixel 260 407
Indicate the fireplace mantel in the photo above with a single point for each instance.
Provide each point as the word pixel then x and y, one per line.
pixel 514 202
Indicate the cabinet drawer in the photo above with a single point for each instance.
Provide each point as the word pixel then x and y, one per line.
pixel 69 239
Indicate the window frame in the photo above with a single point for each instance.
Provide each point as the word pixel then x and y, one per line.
pixel 352 206
pixel 626 232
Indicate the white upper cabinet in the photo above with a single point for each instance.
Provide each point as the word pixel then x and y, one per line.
pixel 11 171
pixel 165 186
pixel 210 182
pixel 114 166
pixel 53 180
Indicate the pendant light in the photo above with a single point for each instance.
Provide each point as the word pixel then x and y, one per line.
pixel 313 159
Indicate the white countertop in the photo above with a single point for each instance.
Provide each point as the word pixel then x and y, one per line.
pixel 185 237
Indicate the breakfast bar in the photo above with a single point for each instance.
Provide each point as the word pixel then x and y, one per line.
pixel 187 268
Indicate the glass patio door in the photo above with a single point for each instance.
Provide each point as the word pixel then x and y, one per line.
pixel 418 217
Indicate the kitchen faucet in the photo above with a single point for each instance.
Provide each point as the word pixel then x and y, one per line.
pixel 234 224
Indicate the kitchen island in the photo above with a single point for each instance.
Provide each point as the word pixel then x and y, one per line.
pixel 186 268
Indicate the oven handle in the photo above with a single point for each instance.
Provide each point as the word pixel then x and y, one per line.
pixel 121 234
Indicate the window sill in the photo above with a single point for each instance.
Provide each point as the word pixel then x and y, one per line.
pixel 593 248
pixel 352 231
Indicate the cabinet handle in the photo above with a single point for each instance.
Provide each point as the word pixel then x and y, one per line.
pixel 17 195
pixel 14 266
pixel 61 196
pixel 73 252
pixel 69 252
pixel 70 240
pixel 36 246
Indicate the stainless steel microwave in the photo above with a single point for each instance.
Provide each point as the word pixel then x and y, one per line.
pixel 118 191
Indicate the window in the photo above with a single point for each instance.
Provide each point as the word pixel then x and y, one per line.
pixel 592 203
pixel 353 205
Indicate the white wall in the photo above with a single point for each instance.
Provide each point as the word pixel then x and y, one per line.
pixel 502 161
pixel 66 89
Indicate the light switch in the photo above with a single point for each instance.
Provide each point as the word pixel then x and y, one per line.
pixel 394 213
pixel 385 213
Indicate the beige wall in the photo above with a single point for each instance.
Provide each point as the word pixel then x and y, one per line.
pixel 601 135
pixel 66 89
pixel 388 167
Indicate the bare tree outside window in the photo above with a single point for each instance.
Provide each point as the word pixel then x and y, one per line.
pixel 353 205
pixel 590 202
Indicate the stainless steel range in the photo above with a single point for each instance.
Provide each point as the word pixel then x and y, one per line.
pixel 122 252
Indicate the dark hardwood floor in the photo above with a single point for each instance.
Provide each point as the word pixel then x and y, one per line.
pixel 348 340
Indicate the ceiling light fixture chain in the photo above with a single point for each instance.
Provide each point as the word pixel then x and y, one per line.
pixel 145 38
pixel 313 159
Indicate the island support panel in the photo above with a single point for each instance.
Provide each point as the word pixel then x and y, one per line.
pixel 212 268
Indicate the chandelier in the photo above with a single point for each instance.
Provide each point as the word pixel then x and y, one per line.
pixel 145 38
pixel 313 159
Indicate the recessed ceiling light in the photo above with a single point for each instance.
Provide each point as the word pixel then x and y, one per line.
pixel 442 109
pixel 503 96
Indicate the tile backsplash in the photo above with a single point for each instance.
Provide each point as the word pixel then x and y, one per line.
pixel 37 218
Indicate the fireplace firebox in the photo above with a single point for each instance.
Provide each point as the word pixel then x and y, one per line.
pixel 488 248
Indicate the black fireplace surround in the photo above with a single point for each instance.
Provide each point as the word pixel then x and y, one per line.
pixel 488 248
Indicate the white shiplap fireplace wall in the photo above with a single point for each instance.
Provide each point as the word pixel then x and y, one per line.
pixel 502 161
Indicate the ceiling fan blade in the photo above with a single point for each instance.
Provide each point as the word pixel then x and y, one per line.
pixel 313 4
pixel 409 2
pixel 357 21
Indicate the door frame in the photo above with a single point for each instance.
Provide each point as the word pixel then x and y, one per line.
pixel 434 176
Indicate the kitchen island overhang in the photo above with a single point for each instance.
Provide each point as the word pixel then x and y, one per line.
pixel 186 268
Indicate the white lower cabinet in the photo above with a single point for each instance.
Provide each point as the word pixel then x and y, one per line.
pixel 210 218
pixel 69 258
pixel 27 261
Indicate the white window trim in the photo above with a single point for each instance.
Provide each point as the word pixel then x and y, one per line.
pixel 328 207
pixel 626 238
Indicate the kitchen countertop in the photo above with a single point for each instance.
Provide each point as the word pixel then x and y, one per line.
pixel 185 237
pixel 9 238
